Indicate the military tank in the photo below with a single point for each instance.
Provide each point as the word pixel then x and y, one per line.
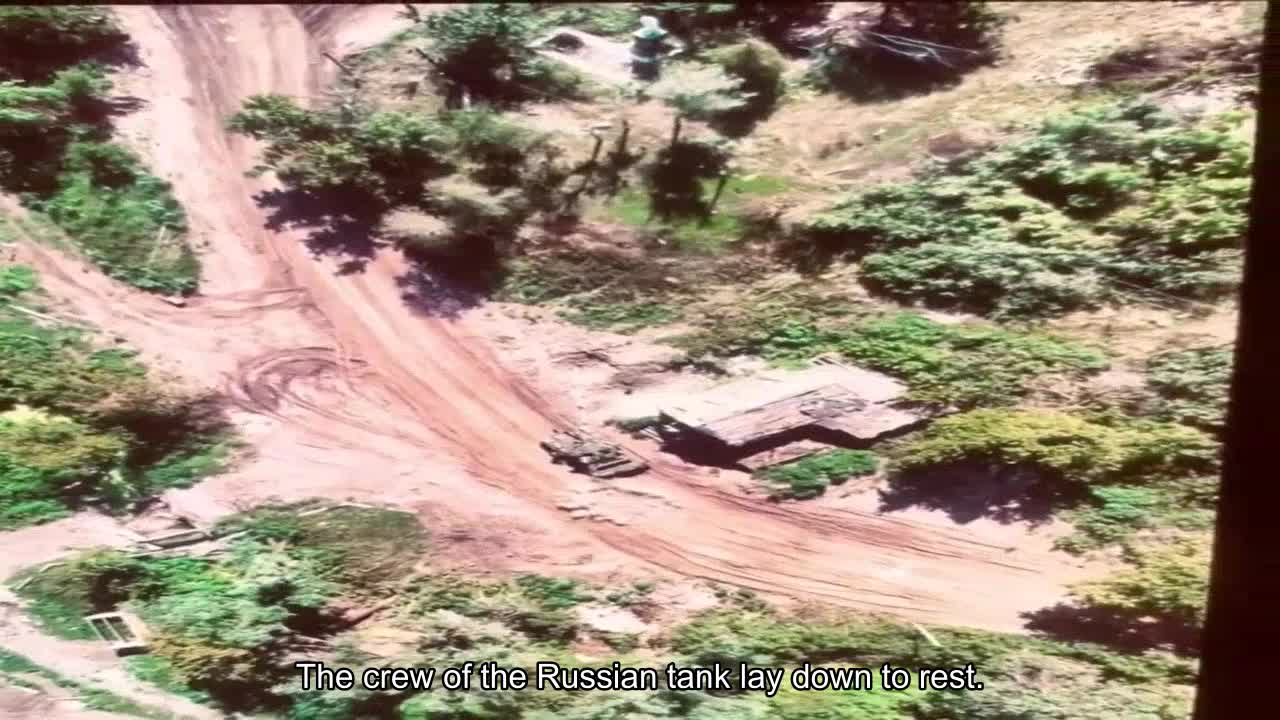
pixel 592 457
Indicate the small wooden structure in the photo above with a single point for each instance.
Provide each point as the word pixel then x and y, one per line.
pixel 124 632
pixel 782 416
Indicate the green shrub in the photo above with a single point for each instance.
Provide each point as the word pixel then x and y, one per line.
pixel 1028 685
pixel 37 40
pixel 1115 513
pixel 126 221
pixel 811 476
pixel 80 425
pixel 44 459
pixel 15 280
pixel 998 279
pixel 964 365
pixel 1185 240
pixel 554 593
pixel 1069 447
pixel 760 67
pixel 620 317
pixel 1193 385
pixel 487 49
pixel 1096 202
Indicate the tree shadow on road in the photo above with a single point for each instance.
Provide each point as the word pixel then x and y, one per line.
pixel 335 224
pixel 969 491
pixel 1125 632
pixel 436 295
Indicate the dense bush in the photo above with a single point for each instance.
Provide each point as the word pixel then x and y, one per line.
pixel 598 18
pixel 964 365
pixel 1095 203
pixel 80 425
pixel 126 220
pixel 911 46
pixel 37 40
pixel 273 587
pixel 379 161
pixel 1113 514
pixel 54 150
pixel 487 50
pixel 999 279
pixel 383 156
pixel 760 67
pixel 46 459
pixel 811 476
pixel 1068 447
pixel 1193 385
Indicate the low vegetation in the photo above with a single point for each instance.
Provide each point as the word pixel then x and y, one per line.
pixel 82 424
pixel 812 476
pixel 1094 206
pixel 1192 385
pixel 56 150
pixel 1107 204
pixel 282 581
pixel 1161 595
pixel 965 365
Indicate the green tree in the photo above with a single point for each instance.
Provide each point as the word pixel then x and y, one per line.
pixel 484 49
pixel 36 40
pixel 697 92
pixel 760 67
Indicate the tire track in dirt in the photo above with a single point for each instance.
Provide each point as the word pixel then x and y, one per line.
pixel 341 362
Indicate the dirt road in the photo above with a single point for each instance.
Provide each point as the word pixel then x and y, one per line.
pixel 347 391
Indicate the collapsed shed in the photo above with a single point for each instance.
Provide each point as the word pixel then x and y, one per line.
pixel 779 416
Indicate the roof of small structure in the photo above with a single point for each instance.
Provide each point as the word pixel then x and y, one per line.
pixel 844 399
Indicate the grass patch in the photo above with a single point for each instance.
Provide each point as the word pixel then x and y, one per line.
pixel 372 548
pixel 132 228
pixel 811 476
pixel 728 224
pixel 367 550
pixel 619 317
pixel 187 466
pixel 555 593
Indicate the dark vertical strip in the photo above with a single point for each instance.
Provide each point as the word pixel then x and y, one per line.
pixel 1241 656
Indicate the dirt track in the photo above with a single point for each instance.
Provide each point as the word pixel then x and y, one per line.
pixel 348 392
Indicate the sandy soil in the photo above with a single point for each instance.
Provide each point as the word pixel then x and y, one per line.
pixel 348 391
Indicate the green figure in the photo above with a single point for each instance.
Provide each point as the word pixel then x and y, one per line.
pixel 647 48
